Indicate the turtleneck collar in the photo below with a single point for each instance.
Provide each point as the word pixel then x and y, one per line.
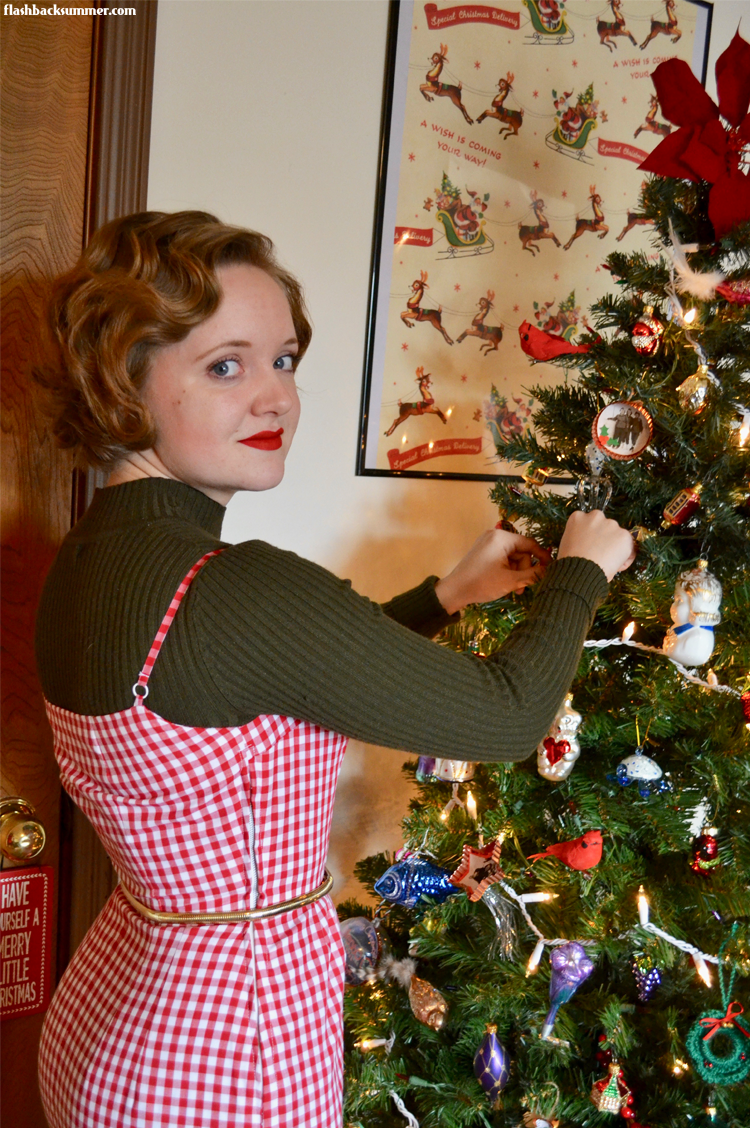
pixel 151 499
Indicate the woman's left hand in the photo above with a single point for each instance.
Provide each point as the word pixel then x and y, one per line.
pixel 497 564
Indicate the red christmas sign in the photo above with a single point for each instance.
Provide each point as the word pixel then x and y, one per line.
pixel 25 940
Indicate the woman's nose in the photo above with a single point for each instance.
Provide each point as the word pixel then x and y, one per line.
pixel 274 393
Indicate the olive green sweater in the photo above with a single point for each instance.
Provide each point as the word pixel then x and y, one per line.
pixel 264 631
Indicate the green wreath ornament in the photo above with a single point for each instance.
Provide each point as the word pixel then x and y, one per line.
pixel 719 1041
pixel 719 1044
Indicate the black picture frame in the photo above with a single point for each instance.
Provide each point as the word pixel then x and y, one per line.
pixel 396 66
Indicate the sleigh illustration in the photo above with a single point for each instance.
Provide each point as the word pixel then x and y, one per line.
pixel 572 145
pixel 548 22
pixel 463 241
pixel 504 420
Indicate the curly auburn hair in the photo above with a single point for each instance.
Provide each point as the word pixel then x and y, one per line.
pixel 143 282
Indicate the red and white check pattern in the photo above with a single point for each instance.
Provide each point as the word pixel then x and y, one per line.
pixel 200 1026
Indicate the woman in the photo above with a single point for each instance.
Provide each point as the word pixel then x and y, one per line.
pixel 179 342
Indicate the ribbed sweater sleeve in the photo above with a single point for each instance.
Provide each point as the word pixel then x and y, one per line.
pixel 334 658
pixel 263 631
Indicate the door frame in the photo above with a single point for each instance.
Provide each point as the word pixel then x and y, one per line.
pixel 119 137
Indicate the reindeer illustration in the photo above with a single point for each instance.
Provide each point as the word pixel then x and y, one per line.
pixel 433 88
pixel 490 335
pixel 660 27
pixel 510 120
pixel 415 312
pixel 596 224
pixel 651 125
pixel 540 230
pixel 635 219
pixel 425 406
pixel 609 31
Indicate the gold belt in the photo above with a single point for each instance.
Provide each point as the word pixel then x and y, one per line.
pixel 229 918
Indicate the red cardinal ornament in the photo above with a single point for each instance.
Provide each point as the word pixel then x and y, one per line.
pixel 579 853
pixel 545 346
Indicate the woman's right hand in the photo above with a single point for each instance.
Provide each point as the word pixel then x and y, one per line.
pixel 596 537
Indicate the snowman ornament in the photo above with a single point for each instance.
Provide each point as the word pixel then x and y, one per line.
pixel 695 613
pixel 560 749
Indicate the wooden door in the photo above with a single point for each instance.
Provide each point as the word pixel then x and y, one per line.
pixel 76 107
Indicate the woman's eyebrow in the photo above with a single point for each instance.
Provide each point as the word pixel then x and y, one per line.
pixel 225 345
pixel 241 345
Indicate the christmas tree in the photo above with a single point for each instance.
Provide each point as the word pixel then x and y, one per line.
pixel 605 978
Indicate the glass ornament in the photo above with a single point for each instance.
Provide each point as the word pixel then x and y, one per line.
pixel 492 1064
pixel 694 613
pixel 362 948
pixel 425 769
pixel 427 1003
pixel 647 977
pixel 692 394
pixel 641 770
pixel 706 852
pixel 682 506
pixel 559 750
pixel 593 491
pixel 647 333
pixel 412 877
pixel 454 771
pixel 570 968
pixel 611 1094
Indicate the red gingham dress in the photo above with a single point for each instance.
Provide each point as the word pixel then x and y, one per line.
pixel 202 1025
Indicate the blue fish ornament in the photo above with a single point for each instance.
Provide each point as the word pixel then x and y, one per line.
pixel 412 877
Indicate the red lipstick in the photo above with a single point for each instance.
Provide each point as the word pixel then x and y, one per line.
pixel 264 440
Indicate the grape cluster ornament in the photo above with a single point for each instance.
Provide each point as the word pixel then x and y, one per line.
pixel 647 976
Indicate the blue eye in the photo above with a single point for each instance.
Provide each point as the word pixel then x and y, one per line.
pixel 225 369
pixel 285 363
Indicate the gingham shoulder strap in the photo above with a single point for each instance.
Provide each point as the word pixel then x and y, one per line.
pixel 140 689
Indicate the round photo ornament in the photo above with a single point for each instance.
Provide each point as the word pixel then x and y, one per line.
pixel 623 430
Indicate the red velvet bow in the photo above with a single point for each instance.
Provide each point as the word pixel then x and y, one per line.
pixel 714 1025
pixel 703 148
pixel 555 749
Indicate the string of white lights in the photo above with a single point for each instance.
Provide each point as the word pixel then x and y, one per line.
pixel 411 1120
pixel 713 687
pixel 701 959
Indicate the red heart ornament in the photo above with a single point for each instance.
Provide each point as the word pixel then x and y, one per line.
pixel 555 749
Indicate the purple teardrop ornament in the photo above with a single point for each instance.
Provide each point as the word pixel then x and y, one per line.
pixel 492 1064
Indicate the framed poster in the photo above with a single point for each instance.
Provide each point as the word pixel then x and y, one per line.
pixel 512 136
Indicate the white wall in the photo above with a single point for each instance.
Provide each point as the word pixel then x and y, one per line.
pixel 267 113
